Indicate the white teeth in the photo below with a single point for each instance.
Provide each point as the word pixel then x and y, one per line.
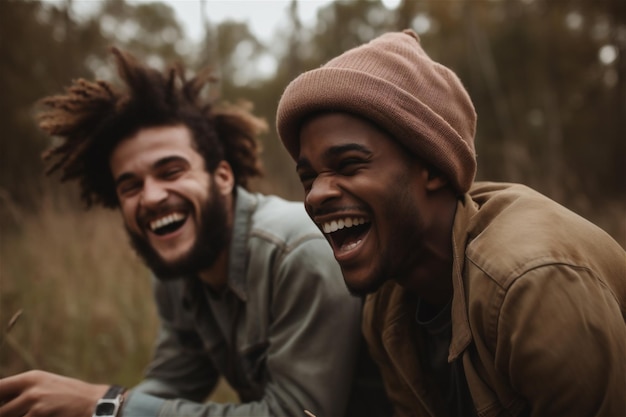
pixel 335 225
pixel 164 221
pixel 351 245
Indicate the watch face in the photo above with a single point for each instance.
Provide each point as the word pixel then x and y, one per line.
pixel 105 409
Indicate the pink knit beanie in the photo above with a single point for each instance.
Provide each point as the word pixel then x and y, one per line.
pixel 391 82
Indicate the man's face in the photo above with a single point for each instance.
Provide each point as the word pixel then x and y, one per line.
pixel 367 195
pixel 176 213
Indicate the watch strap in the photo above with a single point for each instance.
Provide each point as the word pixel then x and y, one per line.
pixel 109 405
pixel 114 391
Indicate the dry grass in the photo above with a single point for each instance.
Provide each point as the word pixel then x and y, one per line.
pixel 86 299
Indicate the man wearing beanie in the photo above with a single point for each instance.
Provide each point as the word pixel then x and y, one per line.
pixel 485 299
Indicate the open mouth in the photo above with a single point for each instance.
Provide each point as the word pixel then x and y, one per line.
pixel 346 234
pixel 168 223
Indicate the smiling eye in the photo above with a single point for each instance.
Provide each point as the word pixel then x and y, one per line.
pixel 128 188
pixel 349 166
pixel 171 173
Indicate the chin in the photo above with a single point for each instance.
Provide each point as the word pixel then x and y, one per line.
pixel 173 265
pixel 171 259
pixel 364 286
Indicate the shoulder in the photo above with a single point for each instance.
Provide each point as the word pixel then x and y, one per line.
pixel 283 222
pixel 284 242
pixel 517 229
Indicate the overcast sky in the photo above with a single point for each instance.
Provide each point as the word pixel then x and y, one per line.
pixel 262 16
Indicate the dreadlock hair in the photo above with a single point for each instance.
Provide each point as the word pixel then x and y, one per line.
pixel 91 118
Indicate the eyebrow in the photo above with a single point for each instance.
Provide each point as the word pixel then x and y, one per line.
pixel 158 164
pixel 335 151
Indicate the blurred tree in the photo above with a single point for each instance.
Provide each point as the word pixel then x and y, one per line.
pixel 548 80
pixel 344 25
pixel 41 48
pixel 148 30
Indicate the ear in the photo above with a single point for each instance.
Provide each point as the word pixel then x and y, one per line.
pixel 224 178
pixel 435 180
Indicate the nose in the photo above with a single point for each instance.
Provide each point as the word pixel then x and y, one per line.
pixel 323 189
pixel 153 192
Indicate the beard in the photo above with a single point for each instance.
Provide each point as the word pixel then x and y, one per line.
pixel 398 258
pixel 212 238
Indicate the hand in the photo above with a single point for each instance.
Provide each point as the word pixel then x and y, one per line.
pixel 42 394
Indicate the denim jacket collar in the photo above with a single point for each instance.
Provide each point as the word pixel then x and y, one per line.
pixel 245 205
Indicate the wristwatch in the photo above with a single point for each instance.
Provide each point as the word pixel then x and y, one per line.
pixel 109 405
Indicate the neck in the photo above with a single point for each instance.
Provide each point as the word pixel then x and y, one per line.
pixel 216 276
pixel 432 277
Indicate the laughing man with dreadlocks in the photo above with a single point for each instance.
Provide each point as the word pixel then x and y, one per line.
pixel 246 286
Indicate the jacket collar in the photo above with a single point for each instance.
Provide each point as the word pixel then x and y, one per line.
pixel 401 313
pixel 402 341
pixel 245 205
pixel 400 336
pixel 461 333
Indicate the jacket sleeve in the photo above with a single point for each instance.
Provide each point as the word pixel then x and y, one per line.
pixel 561 339
pixel 179 367
pixel 314 337
pixel 174 372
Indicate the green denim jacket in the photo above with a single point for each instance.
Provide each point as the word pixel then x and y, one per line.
pixel 285 334
pixel 538 314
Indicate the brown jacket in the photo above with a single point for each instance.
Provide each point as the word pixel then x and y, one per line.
pixel 538 313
